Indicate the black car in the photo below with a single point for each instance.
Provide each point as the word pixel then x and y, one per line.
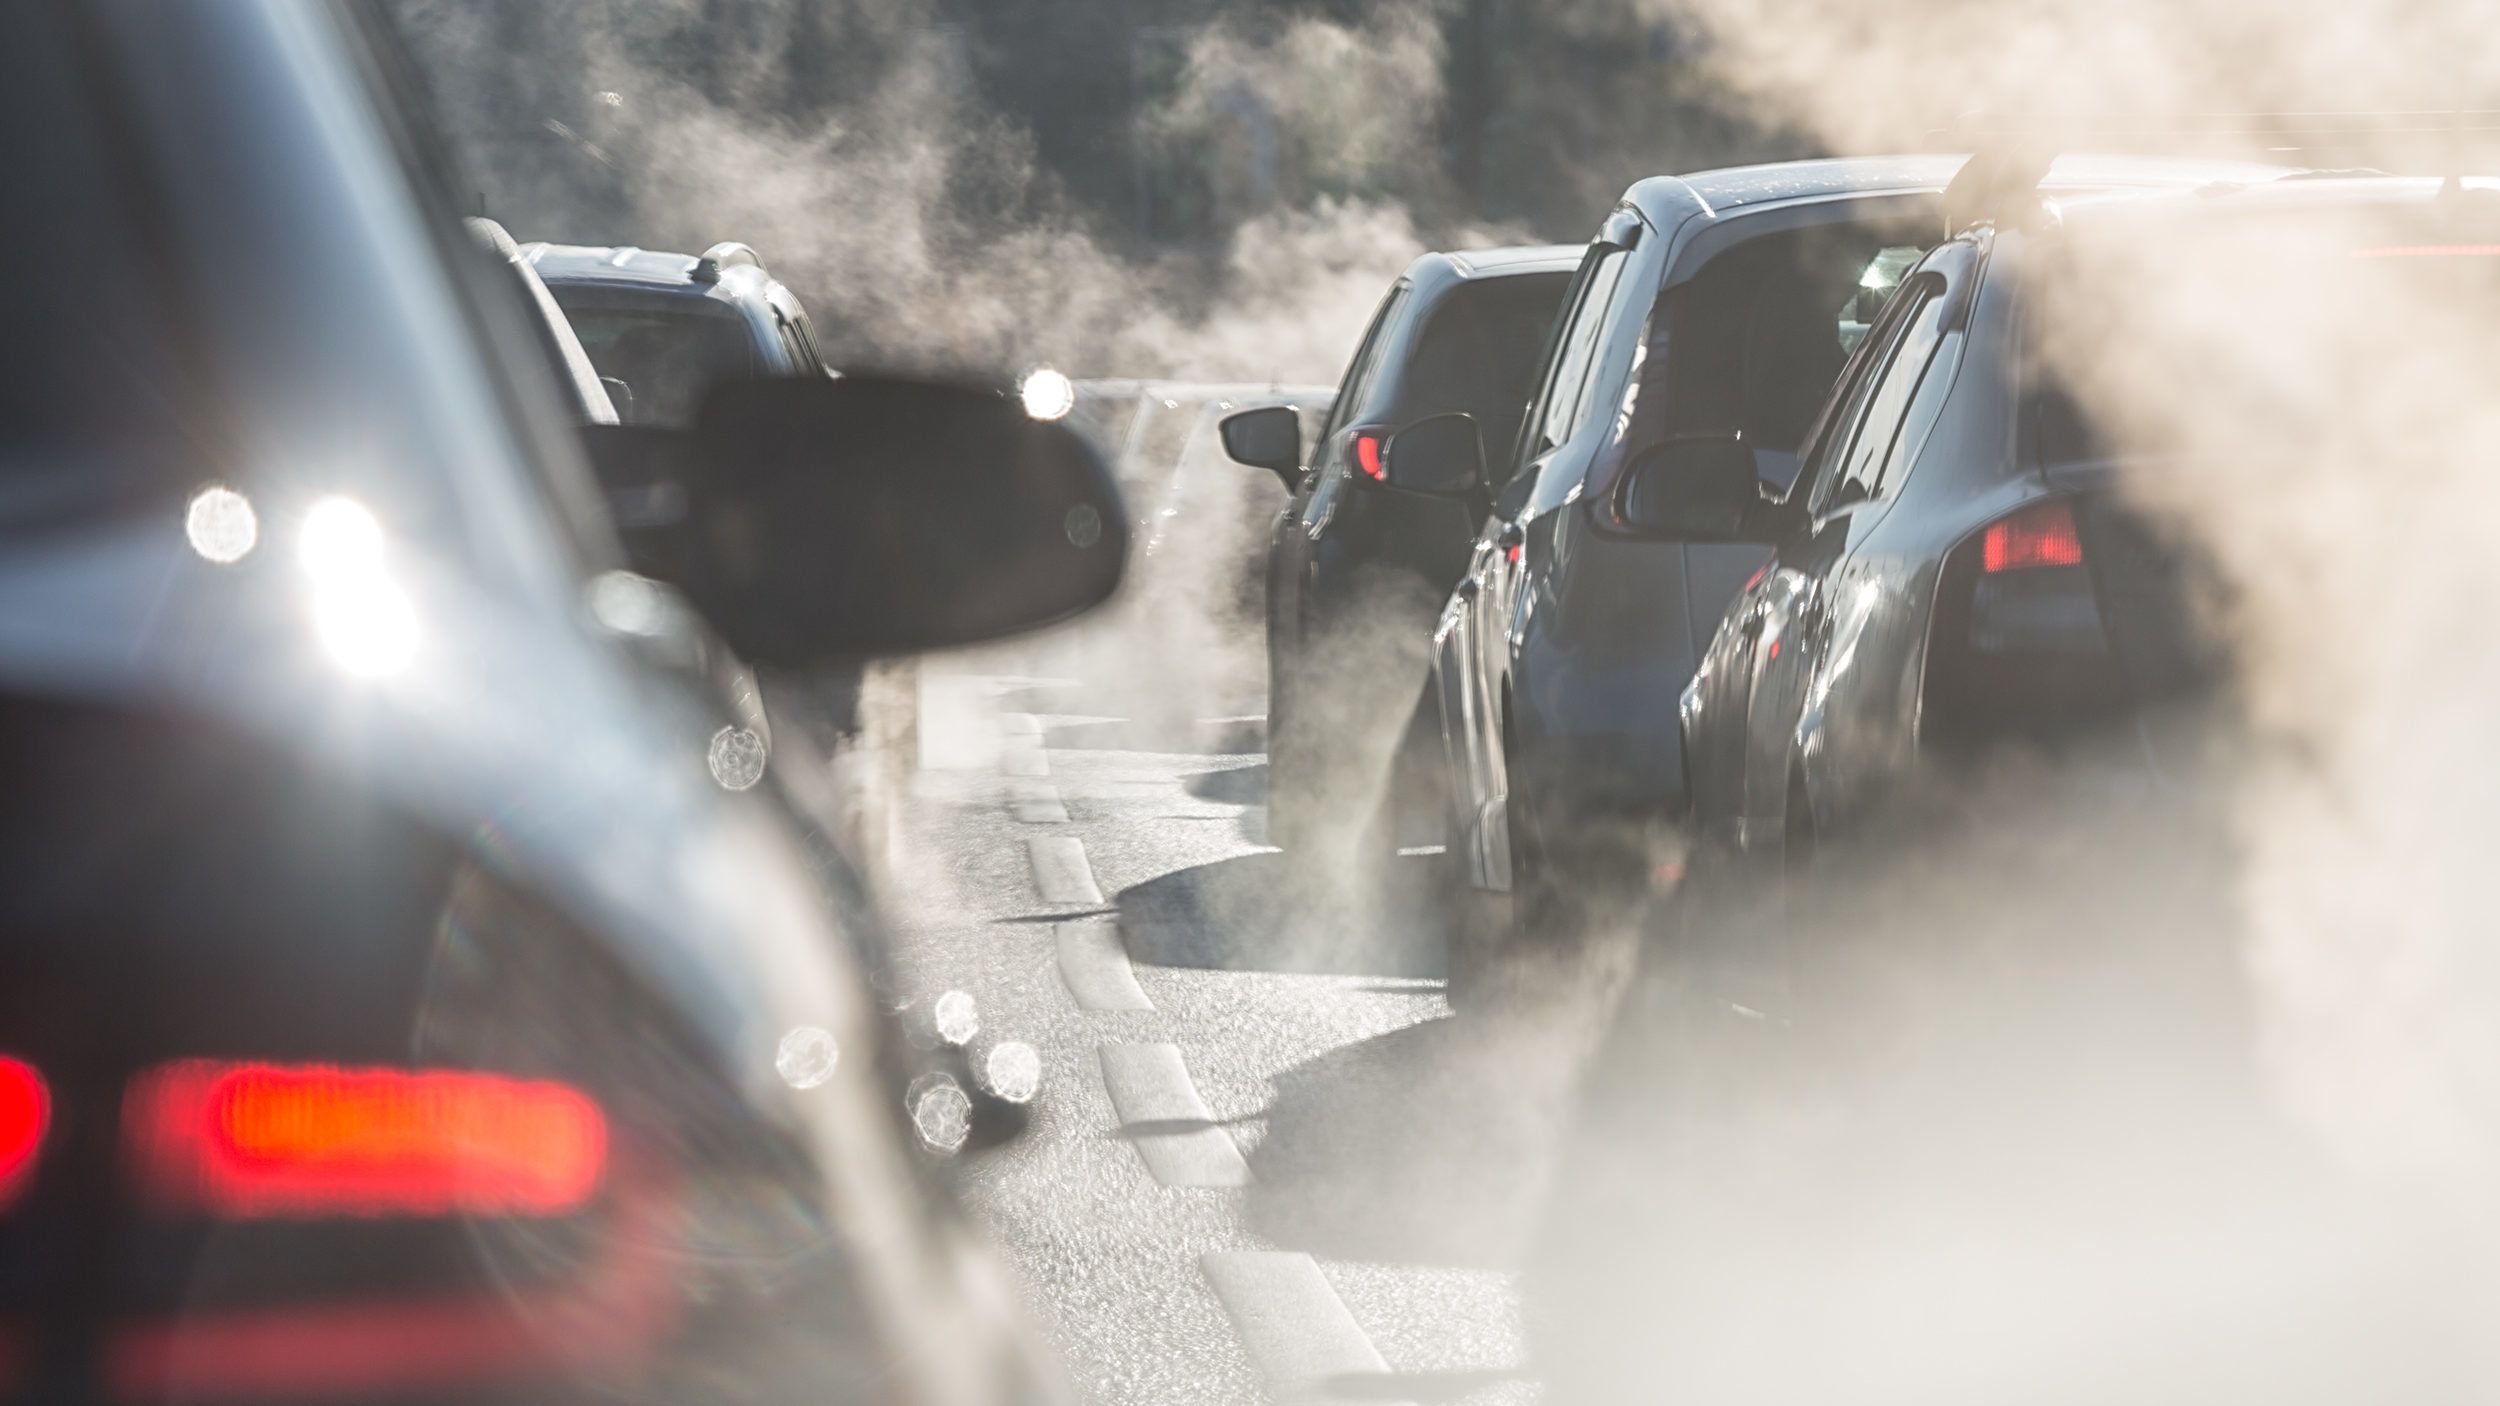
pixel 1722 303
pixel 1362 557
pixel 395 1000
pixel 1934 604
pixel 671 326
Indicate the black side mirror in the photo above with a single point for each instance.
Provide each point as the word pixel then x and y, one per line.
pixel 1268 437
pixel 868 515
pixel 1698 490
pixel 1443 456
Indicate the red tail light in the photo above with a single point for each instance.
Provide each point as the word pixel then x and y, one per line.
pixel 2040 535
pixel 25 1112
pixel 1367 458
pixel 255 1140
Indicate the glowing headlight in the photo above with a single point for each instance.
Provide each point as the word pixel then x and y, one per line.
pixel 363 618
pixel 1048 394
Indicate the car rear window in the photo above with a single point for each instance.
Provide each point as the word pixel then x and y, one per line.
pixel 1479 354
pixel 668 353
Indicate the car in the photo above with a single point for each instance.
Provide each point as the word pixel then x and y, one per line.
pixel 1359 562
pixel 396 1001
pixel 670 326
pixel 1721 303
pixel 663 329
pixel 587 395
pixel 1932 606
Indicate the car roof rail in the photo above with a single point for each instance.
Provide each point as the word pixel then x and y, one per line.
pixel 2011 155
pixel 727 254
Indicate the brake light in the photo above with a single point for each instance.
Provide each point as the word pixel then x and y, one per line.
pixel 1367 458
pixel 267 1140
pixel 2040 535
pixel 25 1112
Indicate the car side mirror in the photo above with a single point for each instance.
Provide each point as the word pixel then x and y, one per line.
pixel 825 519
pixel 1268 437
pixel 1698 490
pixel 1442 456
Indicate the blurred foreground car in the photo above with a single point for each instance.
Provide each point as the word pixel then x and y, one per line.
pixel 1360 561
pixel 394 1002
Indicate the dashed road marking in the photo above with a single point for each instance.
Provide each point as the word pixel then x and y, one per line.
pixel 1060 873
pixel 1162 1115
pixel 1036 802
pixel 1096 967
pixel 1299 1334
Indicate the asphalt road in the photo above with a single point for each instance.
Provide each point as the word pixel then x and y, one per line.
pixel 1267 1162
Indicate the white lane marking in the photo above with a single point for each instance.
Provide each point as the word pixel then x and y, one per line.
pixel 1022 755
pixel 1060 873
pixel 1096 967
pixel 951 721
pixel 1299 1334
pixel 1019 724
pixel 1161 1114
pixel 1036 802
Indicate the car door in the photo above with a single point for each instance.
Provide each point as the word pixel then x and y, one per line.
pixel 1475 643
pixel 1811 584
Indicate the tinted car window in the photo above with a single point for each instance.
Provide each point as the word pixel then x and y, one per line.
pixel 1566 404
pixel 668 356
pixel 1862 470
pixel 1752 344
pixel 1478 354
pixel 1835 430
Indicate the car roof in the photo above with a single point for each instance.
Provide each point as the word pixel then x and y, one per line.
pixel 625 266
pixel 1666 199
pixel 1515 259
pixel 2307 193
pixel 1435 274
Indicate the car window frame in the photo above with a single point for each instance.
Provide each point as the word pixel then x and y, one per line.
pixel 1919 297
pixel 1584 313
pixel 1845 408
pixel 1364 367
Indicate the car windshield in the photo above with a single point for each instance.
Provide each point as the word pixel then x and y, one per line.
pixel 668 352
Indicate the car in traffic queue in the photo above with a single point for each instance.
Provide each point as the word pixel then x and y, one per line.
pixel 1717 304
pixel 669 327
pixel 742 748
pixel 1970 570
pixel 663 329
pixel 396 1005
pixel 1358 563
